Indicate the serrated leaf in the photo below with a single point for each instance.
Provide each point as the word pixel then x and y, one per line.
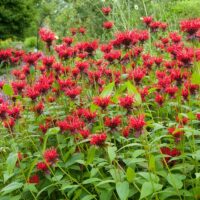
pixel 12 187
pixel 175 180
pixel 112 153
pixel 11 162
pixel 148 188
pixel 122 189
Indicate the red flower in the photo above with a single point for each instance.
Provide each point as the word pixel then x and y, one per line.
pixel 68 40
pixel 108 25
pixel 32 93
pixel 198 116
pixel 170 153
pixel 112 122
pixel 138 75
pixel 63 125
pixel 47 36
pixel 51 155
pixel 137 123
pixel 9 123
pixel 175 37
pixel 85 133
pixel 98 139
pixel 171 90
pixel 106 48
pixel 112 55
pixel 39 107
pixel 126 131
pixel 42 166
pixel 82 66
pixel 102 102
pixel 106 10
pixel 14 112
pixel 34 179
pixel 3 110
pixel 73 92
pixel 82 30
pixel 147 20
pixel 48 61
pixel 144 92
pixel 127 101
pixel 159 99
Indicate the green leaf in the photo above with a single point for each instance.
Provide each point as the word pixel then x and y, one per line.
pixel 152 165
pixel 91 155
pixel 8 90
pixel 195 78
pixel 175 180
pixel 11 162
pixel 88 197
pixel 133 90
pixel 30 187
pixel 112 153
pixel 105 182
pixel 148 188
pixel 68 186
pixel 108 89
pixel 122 189
pixel 12 187
pixel 130 175
pixel 91 180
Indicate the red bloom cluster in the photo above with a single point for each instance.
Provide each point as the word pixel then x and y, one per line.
pixel 47 36
pixel 98 139
pixel 169 153
pixel 51 156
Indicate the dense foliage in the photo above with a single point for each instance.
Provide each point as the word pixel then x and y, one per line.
pixel 85 119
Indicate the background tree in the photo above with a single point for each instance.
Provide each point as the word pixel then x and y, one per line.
pixel 16 17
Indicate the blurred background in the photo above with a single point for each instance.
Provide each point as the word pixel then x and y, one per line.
pixel 20 20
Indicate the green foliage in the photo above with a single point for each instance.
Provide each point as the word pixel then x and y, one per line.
pixel 15 17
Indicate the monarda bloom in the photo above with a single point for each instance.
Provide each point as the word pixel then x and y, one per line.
pixel 171 90
pixel 126 102
pixel 175 37
pixel 198 116
pixel 108 25
pixel 34 179
pixel 39 107
pixel 82 66
pixel 9 123
pixel 48 61
pixel 190 27
pixel 144 92
pixel 42 166
pixel 112 55
pixel 112 123
pixel 68 40
pixel 14 112
pixel 82 30
pixel 51 155
pixel 98 139
pixel 106 10
pixel 138 75
pixel 47 36
pixel 147 20
pixel 159 99
pixel 84 133
pixel 106 48
pixel 169 153
pixel 4 110
pixel 177 133
pixel 102 102
pixel 137 123
pixel 73 92
pixel 32 93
